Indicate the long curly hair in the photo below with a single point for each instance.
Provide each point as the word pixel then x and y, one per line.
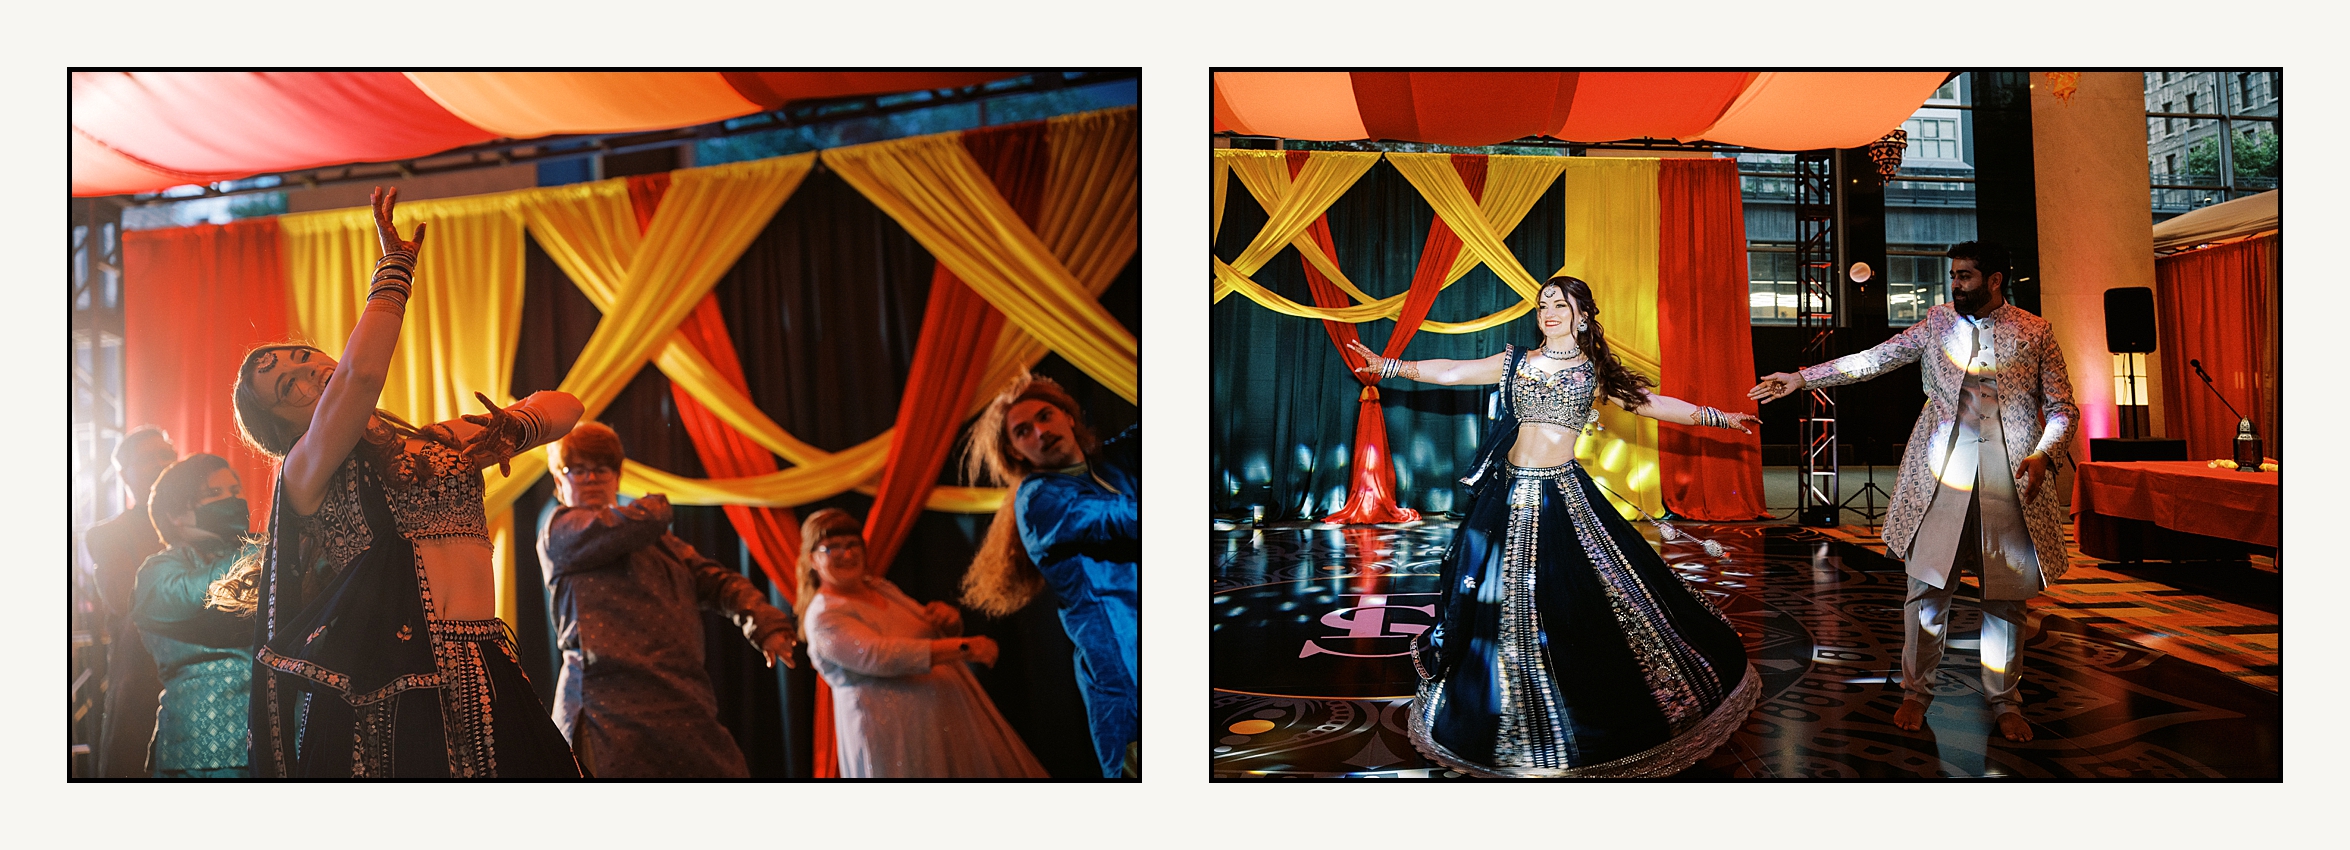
pixel 829 522
pixel 1002 579
pixel 1628 388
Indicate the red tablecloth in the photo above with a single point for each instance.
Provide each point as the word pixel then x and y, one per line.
pixel 2183 496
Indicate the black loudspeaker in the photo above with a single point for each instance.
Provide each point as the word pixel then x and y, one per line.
pixel 1818 515
pixel 2129 320
pixel 2117 449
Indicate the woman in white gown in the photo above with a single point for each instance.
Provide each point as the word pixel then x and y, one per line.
pixel 904 704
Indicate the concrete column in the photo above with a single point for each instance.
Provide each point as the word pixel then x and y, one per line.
pixel 2096 228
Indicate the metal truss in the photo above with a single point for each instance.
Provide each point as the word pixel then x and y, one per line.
pixel 1818 489
pixel 94 355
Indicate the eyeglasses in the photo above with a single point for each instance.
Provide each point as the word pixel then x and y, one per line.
pixel 587 471
pixel 829 548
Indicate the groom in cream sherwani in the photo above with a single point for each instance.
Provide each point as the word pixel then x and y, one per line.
pixel 1972 493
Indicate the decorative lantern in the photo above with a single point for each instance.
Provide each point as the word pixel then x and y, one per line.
pixel 1886 153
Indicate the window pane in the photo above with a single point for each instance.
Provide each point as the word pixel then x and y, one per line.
pixel 2196 162
pixel 1929 206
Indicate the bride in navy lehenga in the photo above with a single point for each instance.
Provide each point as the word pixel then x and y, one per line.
pixel 1565 647
pixel 379 650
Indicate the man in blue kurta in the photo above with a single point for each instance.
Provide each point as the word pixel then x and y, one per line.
pixel 1078 509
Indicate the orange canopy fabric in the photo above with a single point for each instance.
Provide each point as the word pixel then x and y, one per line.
pixel 1803 110
pixel 1771 111
pixel 147 131
pixel 523 105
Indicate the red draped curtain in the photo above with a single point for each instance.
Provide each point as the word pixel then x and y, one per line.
pixel 1707 473
pixel 194 300
pixel 2219 305
pixel 959 330
pixel 1371 494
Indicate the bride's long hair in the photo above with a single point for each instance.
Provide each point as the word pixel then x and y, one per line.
pixel 1628 388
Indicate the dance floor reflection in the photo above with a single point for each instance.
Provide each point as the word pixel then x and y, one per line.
pixel 1308 628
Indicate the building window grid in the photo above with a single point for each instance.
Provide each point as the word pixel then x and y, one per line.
pixel 2176 190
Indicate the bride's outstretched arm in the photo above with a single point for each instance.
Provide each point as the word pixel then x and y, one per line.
pixel 1449 372
pixel 1665 408
pixel 349 399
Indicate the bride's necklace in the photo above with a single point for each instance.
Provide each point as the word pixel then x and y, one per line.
pixel 1572 352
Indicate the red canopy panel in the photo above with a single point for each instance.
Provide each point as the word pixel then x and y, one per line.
pixel 141 132
pixel 1772 111
pixel 1462 107
pixel 100 170
pixel 210 126
pixel 1619 105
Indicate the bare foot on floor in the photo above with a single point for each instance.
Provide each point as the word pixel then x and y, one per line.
pixel 1911 717
pixel 2013 727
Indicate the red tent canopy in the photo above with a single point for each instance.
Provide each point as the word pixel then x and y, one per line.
pixel 140 132
pixel 1779 110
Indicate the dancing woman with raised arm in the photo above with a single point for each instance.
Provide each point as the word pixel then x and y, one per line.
pixel 1565 647
pixel 380 652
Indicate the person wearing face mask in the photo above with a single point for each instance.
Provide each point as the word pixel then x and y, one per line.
pixel 633 697
pixel 1564 646
pixel 905 706
pixel 1072 525
pixel 1973 492
pixel 204 657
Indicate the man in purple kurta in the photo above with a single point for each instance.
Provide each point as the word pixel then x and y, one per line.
pixel 633 696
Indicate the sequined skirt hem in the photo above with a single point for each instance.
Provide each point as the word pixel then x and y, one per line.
pixel 1665 759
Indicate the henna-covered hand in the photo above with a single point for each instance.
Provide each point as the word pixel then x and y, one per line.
pixel 500 437
pixel 387 234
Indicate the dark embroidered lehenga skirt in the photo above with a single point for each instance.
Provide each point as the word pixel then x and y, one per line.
pixel 1568 648
pixel 356 676
pixel 481 719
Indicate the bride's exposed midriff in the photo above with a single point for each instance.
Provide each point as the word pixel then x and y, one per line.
pixel 458 570
pixel 1543 444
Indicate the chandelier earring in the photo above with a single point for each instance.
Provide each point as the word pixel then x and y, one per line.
pixel 1582 325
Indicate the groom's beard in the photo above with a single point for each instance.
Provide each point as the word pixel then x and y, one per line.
pixel 1968 302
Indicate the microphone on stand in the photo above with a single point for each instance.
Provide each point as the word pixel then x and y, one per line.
pixel 2247 440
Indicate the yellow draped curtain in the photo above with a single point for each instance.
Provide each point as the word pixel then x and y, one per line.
pixel 1611 239
pixel 931 186
pixel 1513 185
pixel 463 319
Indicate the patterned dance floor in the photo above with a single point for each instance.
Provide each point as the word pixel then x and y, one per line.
pixel 1308 678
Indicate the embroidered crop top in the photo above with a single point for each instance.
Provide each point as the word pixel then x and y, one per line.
pixel 435 493
pixel 431 490
pixel 1559 398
